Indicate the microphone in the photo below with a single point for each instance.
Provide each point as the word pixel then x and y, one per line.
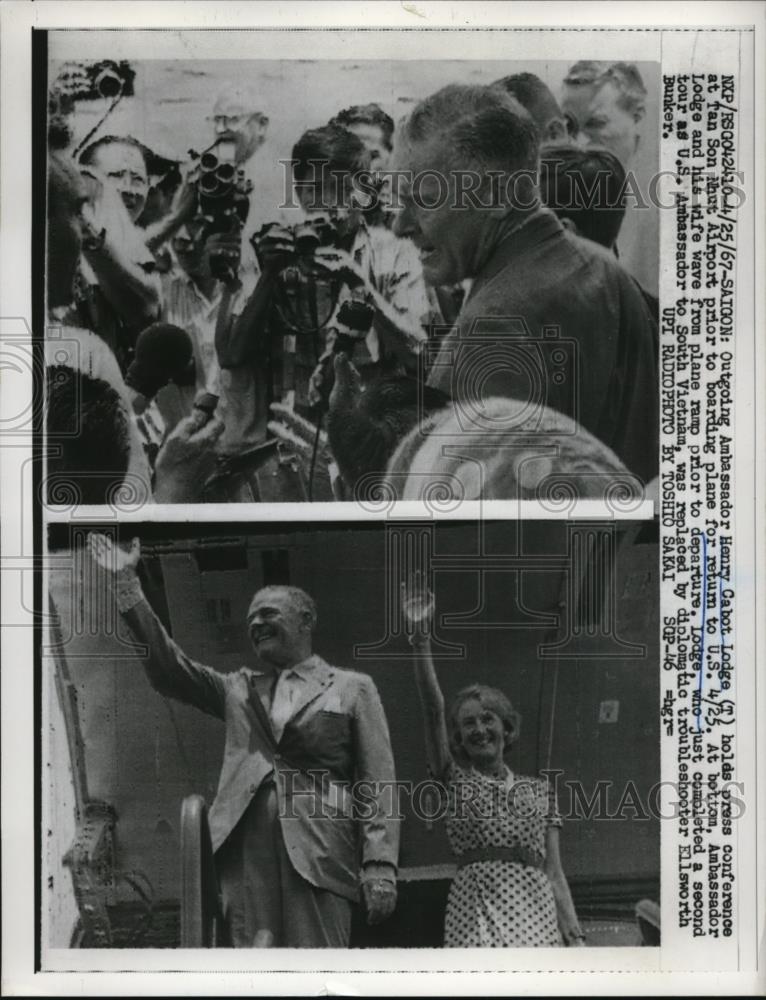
pixel 163 353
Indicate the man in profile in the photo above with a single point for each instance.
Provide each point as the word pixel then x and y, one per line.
pixel 551 319
pixel 291 851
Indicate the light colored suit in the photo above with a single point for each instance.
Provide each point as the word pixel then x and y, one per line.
pixel 336 735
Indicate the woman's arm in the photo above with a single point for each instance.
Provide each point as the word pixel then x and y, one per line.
pixel 569 925
pixel 418 606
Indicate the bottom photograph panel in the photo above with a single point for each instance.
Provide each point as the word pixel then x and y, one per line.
pixel 405 734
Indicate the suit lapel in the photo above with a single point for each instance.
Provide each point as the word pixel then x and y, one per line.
pixel 313 683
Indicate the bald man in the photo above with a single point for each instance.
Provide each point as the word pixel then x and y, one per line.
pixel 292 852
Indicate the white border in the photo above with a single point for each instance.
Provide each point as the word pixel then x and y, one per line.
pixel 17 771
pixel 466 510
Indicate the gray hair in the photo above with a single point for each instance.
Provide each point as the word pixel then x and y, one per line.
pixel 299 598
pixel 483 125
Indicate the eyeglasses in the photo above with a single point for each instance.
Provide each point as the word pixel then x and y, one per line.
pixel 234 121
pixel 227 121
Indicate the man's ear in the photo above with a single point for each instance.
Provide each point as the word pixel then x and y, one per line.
pixel 570 226
pixel 308 621
pixel 556 131
pixel 639 114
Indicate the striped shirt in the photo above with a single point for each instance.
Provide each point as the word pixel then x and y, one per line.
pixel 185 305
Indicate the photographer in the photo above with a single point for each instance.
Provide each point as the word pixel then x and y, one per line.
pixel 376 130
pixel 206 287
pixel 117 289
pixel 238 132
pixel 329 283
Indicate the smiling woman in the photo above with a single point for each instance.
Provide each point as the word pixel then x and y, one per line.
pixel 510 889
pixel 483 725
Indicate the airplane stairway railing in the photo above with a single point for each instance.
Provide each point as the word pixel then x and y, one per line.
pixel 202 923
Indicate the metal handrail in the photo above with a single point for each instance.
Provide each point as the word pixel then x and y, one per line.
pixel 202 923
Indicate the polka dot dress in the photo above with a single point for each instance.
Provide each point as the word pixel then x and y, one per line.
pixel 499 904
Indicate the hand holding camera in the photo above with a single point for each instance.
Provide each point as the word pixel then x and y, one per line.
pixel 216 196
pixel 222 253
pixel 340 263
pixel 278 246
pixel 274 246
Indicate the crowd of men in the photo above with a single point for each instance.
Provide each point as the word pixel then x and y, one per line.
pixel 216 348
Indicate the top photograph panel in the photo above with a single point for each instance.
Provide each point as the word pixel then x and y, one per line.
pixel 294 280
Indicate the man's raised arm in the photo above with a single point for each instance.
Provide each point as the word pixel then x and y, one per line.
pixel 170 671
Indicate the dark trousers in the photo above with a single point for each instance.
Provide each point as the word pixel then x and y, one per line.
pixel 265 901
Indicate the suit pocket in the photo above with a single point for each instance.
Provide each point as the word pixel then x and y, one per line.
pixel 332 727
pixel 322 741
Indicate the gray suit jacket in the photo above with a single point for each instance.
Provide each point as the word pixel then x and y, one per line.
pixel 336 735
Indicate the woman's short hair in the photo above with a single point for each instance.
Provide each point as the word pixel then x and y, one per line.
pixel 491 698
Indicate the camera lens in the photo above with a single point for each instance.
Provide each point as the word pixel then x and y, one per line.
pixel 208 184
pixel 225 173
pixel 108 83
pixel 208 162
pixel 306 239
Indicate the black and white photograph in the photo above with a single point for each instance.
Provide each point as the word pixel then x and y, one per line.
pixel 377 736
pixel 294 280
pixel 380 394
